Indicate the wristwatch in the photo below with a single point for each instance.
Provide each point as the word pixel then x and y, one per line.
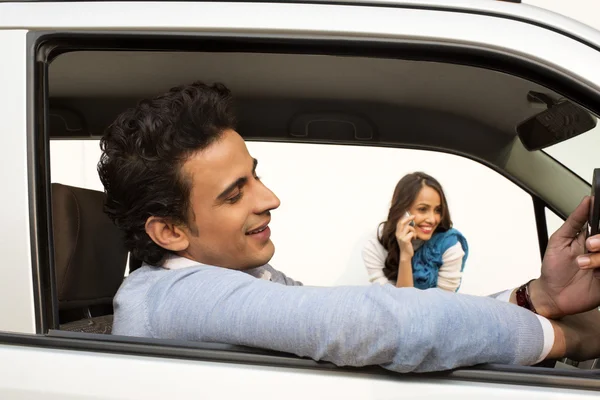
pixel 523 298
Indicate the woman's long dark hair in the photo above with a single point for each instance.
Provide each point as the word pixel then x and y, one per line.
pixel 405 193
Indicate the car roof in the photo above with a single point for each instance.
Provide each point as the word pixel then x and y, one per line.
pixel 509 9
pixel 498 8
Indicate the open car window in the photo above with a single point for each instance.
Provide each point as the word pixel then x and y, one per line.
pixel 334 197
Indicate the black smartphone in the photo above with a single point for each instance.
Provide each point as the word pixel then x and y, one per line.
pixel 594 216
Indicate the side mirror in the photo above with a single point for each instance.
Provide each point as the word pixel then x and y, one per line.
pixel 561 120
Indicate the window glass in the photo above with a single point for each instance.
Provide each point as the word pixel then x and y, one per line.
pixel 579 154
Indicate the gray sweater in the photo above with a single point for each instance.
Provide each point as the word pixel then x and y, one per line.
pixel 399 329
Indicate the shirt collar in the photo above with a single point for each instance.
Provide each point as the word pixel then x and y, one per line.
pixel 173 262
pixel 177 262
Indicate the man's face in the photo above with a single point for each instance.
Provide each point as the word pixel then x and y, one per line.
pixel 230 207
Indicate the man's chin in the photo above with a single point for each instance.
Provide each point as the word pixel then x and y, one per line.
pixel 261 257
pixel 267 252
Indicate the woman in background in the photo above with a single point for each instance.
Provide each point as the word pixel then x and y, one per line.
pixel 416 246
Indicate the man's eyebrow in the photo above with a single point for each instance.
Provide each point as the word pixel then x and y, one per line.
pixel 238 183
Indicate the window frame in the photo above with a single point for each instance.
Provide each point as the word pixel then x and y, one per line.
pixel 46 46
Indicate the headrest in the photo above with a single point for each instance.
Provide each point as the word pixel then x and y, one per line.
pixel 89 252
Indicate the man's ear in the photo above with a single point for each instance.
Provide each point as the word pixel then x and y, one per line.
pixel 166 234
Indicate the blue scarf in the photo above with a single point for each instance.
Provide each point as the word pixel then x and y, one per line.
pixel 427 259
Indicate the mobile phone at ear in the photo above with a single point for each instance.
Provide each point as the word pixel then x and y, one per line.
pixel 594 215
pixel 411 223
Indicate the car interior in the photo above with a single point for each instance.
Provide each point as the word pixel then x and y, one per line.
pixel 359 101
pixel 89 258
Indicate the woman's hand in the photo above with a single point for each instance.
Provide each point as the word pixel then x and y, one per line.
pixel 404 235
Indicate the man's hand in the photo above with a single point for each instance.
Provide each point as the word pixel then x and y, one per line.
pixel 577 337
pixel 570 279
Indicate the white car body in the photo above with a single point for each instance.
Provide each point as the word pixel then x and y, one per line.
pixel 34 365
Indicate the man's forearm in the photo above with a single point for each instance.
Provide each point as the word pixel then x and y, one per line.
pixel 559 346
pixel 553 336
pixel 400 329
pixel 575 336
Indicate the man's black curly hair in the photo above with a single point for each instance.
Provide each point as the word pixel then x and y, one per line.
pixel 143 152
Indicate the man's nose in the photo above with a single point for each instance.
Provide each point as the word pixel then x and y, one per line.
pixel 266 199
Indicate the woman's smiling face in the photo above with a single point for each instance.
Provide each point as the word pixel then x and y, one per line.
pixel 427 209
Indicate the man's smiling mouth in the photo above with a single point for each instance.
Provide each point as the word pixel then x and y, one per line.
pixel 259 229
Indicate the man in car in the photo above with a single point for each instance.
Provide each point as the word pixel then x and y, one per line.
pixel 182 186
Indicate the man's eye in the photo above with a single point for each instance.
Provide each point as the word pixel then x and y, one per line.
pixel 236 198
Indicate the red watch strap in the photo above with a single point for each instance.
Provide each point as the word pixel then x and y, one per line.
pixel 523 299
